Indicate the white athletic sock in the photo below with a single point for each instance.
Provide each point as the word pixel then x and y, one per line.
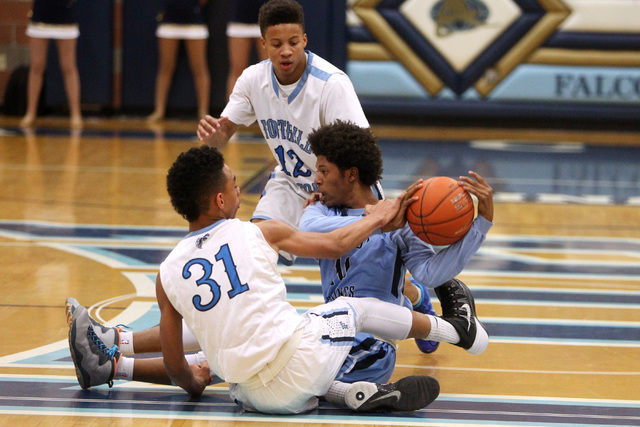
pixel 124 369
pixel 126 343
pixel 195 358
pixel 442 331
pixel 418 298
pixel 337 392
pixel 189 341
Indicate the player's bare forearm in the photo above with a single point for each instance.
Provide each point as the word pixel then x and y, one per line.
pixel 335 243
pixel 349 237
pixel 172 345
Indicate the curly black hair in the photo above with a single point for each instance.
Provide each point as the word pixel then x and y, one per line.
pixel 276 12
pixel 194 177
pixel 348 145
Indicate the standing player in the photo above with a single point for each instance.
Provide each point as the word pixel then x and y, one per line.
pixel 289 95
pixel 349 162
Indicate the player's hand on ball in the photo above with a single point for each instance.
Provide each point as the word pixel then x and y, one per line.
pixel 386 209
pixel 476 185
pixel 401 219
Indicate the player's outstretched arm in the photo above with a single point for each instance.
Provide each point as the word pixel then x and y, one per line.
pixel 216 132
pixel 476 185
pixel 335 243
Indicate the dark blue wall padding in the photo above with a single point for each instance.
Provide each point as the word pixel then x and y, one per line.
pixel 326 28
pixel 94 55
pixel 140 53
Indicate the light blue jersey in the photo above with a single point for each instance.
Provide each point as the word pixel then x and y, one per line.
pixel 377 269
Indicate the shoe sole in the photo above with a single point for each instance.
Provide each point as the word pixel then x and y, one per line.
pixel 76 356
pixel 481 342
pixel 416 392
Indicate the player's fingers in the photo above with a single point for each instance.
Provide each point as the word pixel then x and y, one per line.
pixel 468 184
pixel 478 177
pixel 315 197
pixel 204 128
pixel 414 187
pixel 202 135
pixel 484 193
pixel 473 185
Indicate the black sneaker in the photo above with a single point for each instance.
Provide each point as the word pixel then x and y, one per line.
pixel 459 309
pixel 407 394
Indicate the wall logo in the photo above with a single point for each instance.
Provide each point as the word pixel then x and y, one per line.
pixel 458 15
pixel 461 44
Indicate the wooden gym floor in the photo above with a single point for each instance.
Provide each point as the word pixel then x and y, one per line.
pixel 557 283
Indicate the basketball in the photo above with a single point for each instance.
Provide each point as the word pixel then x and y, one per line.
pixel 443 214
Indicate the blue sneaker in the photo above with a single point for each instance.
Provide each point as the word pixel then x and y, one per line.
pixel 424 306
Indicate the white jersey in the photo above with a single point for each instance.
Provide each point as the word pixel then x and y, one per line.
pixel 224 282
pixel 286 115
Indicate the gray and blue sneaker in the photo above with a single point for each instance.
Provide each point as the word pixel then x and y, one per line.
pixel 424 306
pixel 94 362
pixel 109 335
pixel 407 394
pixel 459 309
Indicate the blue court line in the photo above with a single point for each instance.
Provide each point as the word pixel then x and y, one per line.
pixel 516 294
pixel 44 230
pixel 487 260
pixel 63 396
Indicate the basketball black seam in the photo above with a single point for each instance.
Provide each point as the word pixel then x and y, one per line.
pixel 436 206
pixel 455 217
pixel 424 190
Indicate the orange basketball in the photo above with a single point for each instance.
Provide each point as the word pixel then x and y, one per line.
pixel 443 213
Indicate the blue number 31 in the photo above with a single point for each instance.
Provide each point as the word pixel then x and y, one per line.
pixel 237 288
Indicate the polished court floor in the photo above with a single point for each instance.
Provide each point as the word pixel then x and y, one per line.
pixel 557 283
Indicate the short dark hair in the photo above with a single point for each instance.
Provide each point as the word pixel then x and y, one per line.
pixel 348 145
pixel 276 12
pixel 194 178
